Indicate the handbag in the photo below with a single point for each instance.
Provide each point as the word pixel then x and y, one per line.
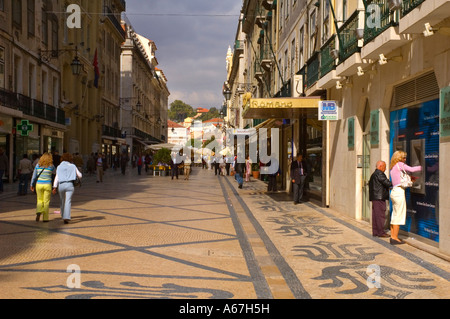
pixel 405 179
pixel 77 182
pixel 35 182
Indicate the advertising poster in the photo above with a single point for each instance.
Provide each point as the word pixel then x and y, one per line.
pixel 416 131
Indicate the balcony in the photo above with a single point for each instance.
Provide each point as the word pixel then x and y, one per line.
pixel 32 107
pixel 108 12
pixel 328 75
pixel 257 71
pixel 350 45
pixel 239 45
pixel 313 70
pixel 387 37
pixel 111 131
pixel 266 56
pixel 415 13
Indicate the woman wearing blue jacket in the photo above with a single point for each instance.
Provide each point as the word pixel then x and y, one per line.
pixel 66 174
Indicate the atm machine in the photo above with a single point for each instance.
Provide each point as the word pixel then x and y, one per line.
pixel 417 158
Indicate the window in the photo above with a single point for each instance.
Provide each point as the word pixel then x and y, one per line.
pixel 55 27
pixel 312 33
pixel 17 12
pixel 300 47
pixel 344 10
pixel 2 67
pixel 31 17
pixel 44 27
pixel 293 51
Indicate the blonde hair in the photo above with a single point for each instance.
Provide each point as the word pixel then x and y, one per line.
pixel 398 156
pixel 46 160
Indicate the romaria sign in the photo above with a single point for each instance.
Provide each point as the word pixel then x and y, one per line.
pixel 285 103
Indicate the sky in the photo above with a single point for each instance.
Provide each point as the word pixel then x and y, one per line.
pixel 192 38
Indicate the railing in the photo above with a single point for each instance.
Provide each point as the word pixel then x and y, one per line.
pixel 239 45
pixel 327 61
pixel 32 107
pixel 265 53
pixel 387 19
pixel 111 131
pixel 410 5
pixel 114 21
pixel 313 68
pixel 349 41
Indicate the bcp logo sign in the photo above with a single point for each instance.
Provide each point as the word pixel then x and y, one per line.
pixel 73 20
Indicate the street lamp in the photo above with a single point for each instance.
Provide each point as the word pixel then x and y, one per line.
pixel 76 66
pixel 47 55
pixel 227 94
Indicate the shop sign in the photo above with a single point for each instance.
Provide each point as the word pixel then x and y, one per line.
pixel 24 128
pixel 351 132
pixel 328 111
pixel 5 124
pixel 445 112
pixel 374 127
pixel 284 103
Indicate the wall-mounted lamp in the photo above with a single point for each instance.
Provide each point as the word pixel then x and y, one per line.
pixel 384 60
pixel 45 56
pixel 360 71
pixel 429 30
pixel 338 85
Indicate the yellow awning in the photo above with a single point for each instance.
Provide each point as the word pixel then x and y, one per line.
pixel 281 108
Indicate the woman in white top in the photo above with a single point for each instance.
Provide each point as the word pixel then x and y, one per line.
pixel 66 174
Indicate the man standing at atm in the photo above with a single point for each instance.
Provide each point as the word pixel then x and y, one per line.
pixel 379 186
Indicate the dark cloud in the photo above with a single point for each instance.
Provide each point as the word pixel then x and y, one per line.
pixel 192 38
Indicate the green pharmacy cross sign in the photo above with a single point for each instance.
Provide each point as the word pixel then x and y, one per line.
pixel 24 128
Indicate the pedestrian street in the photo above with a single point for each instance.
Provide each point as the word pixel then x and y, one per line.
pixel 153 237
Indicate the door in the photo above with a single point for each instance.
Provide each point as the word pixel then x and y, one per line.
pixel 365 178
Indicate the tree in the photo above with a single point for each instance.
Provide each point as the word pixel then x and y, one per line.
pixel 179 111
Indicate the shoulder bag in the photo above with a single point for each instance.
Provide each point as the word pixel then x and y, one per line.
pixel 35 182
pixel 405 179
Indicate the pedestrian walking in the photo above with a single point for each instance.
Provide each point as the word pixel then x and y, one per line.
pixel 298 176
pixel 248 168
pixel 187 167
pixel 25 170
pixel 216 166
pixel 174 165
pixel 227 164
pixel 139 164
pixel 66 174
pixel 124 159
pixel 379 186
pixel 42 183
pixel 3 167
pixel 399 168
pixel 239 172
pixel 273 171
pixel 90 165
pixel 99 167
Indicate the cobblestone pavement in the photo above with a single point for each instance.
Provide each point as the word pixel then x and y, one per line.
pixel 153 237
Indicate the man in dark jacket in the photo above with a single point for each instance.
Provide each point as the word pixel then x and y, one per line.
pixel 298 176
pixel 379 186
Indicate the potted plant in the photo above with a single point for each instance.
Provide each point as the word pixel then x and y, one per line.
pixel 255 170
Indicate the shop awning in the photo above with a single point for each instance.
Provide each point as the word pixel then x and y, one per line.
pixel 282 108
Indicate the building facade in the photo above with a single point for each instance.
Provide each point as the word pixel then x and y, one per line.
pixel 385 64
pixel 144 94
pixel 32 119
